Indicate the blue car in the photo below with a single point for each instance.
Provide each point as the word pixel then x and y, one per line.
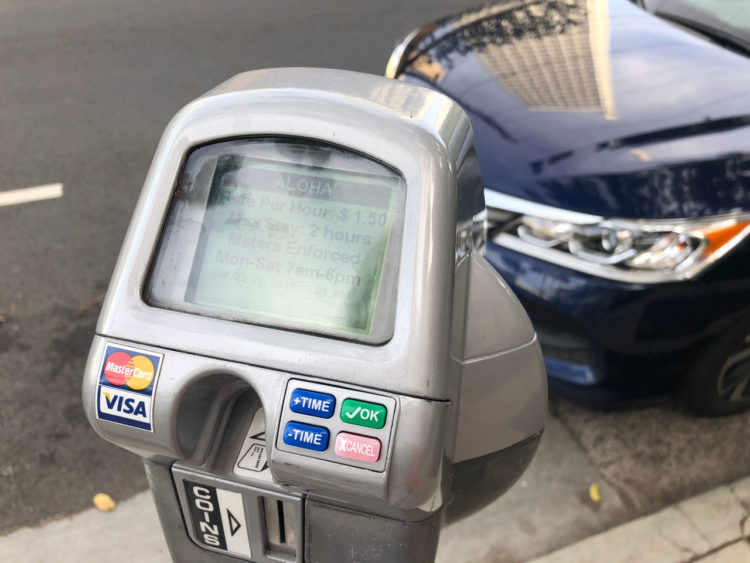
pixel 615 149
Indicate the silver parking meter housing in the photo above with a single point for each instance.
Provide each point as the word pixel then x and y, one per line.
pixel 302 399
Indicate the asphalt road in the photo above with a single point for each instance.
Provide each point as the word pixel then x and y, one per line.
pixel 86 89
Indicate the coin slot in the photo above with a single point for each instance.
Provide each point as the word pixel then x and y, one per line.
pixel 280 527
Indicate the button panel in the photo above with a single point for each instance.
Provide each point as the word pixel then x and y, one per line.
pixel 304 401
pixel 336 424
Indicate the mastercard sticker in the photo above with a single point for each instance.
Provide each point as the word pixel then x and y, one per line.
pixel 127 379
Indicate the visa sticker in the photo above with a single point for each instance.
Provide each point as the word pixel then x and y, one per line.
pixel 127 379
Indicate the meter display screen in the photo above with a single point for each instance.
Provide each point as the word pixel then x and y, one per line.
pixel 284 233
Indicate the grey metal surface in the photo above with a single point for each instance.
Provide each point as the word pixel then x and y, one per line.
pixel 336 534
pixel 503 397
pixel 493 324
pixel 503 401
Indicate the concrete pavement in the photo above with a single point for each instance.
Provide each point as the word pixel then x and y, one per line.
pixel 129 533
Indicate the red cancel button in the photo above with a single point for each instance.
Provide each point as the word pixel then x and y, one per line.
pixel 358 448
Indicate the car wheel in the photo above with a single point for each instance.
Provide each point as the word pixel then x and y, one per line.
pixel 719 383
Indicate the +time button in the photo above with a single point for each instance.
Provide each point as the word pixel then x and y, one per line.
pixel 304 401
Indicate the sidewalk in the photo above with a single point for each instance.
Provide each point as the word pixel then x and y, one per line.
pixel 712 527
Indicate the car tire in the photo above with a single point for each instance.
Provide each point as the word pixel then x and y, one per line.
pixel 719 382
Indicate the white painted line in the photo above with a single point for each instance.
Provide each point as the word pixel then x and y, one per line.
pixel 27 195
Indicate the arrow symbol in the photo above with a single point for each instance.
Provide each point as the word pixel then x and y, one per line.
pixel 234 524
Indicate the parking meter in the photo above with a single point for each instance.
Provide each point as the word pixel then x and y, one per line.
pixel 302 338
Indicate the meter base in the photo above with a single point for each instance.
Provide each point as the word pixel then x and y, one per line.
pixel 478 482
pixel 331 533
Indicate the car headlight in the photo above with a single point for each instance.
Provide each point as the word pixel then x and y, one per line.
pixel 636 251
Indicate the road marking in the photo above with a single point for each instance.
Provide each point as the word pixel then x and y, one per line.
pixel 27 195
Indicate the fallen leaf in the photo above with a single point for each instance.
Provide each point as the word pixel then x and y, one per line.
pixel 104 502
pixel 594 493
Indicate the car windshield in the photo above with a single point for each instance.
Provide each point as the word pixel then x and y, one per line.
pixel 726 21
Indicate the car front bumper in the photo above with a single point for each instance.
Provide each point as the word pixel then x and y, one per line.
pixel 605 340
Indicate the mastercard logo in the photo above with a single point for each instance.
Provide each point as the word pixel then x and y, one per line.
pixel 137 372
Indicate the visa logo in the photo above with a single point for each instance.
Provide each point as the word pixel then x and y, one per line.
pixel 125 407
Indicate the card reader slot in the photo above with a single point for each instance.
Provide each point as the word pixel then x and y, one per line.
pixel 204 412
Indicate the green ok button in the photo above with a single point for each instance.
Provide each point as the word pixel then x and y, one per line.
pixel 362 413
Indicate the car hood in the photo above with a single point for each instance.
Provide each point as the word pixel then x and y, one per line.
pixel 595 106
